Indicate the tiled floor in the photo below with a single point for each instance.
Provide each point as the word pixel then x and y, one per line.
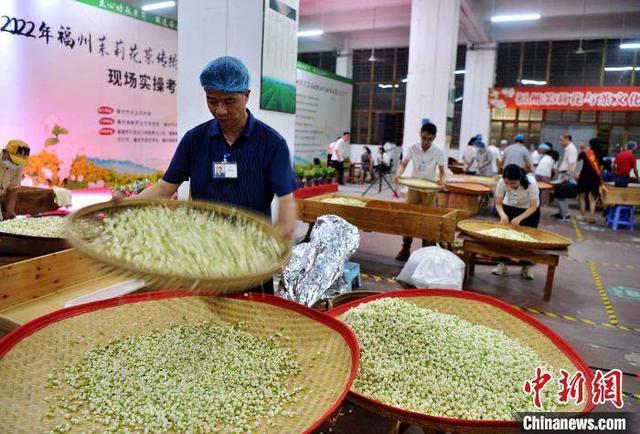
pixel 576 310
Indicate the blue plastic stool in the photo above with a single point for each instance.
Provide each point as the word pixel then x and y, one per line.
pixel 350 272
pixel 622 215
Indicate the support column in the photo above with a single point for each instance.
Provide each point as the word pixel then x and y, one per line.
pixel 480 69
pixel 214 28
pixel 432 51
pixel 344 62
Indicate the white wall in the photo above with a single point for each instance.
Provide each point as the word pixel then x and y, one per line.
pixel 214 28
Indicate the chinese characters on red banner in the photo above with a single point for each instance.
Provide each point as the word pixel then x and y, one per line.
pixel 604 387
pixel 617 98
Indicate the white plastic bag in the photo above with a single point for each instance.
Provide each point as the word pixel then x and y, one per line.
pixel 433 267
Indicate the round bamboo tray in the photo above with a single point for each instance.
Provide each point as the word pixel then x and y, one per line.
pixel 490 312
pixel 546 239
pixel 326 349
pixel 403 181
pixel 96 213
pixel 470 188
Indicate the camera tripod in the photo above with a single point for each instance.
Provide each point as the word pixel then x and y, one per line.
pixel 382 176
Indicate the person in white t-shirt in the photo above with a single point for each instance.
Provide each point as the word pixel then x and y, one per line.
pixel 545 169
pixel 536 155
pixel 518 204
pixel 494 154
pixel 429 162
pixel 469 157
pixel 567 171
pixel 337 155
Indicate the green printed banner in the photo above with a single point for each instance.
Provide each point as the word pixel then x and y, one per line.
pixel 133 12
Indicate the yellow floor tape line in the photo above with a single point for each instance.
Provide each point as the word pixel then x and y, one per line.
pixel 613 319
pixel 577 229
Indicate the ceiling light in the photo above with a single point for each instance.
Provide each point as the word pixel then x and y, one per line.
pixel 621 68
pixel 460 71
pixel 156 6
pixel 404 80
pixel 520 17
pixel 630 45
pixel 533 82
pixel 385 86
pixel 307 33
pixel 458 99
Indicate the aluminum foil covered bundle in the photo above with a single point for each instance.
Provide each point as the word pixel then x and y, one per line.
pixel 316 265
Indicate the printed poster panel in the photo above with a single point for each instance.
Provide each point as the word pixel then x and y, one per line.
pixel 91 87
pixel 279 56
pixel 323 111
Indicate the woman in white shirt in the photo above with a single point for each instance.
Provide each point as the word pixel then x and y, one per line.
pixel 518 204
pixel 544 170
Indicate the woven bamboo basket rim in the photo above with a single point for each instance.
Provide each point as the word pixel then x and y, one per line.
pixel 336 381
pixel 468 188
pixel 402 181
pixel 485 180
pixel 547 239
pixel 524 321
pixel 211 283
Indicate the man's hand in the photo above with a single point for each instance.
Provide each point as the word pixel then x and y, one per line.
pixel 396 179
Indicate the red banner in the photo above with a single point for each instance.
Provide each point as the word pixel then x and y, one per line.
pixel 618 98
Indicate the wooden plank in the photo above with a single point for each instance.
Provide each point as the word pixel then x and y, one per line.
pixel 42 275
pixel 49 302
pixel 404 220
pixel 32 200
pixel 621 196
pixel 494 251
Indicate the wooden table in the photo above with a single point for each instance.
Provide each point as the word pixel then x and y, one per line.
pixel 35 287
pixel 629 196
pixel 389 217
pixel 473 247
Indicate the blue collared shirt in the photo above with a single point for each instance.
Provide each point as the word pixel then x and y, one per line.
pixel 262 156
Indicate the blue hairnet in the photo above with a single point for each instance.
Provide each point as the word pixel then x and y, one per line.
pixel 479 144
pixel 519 138
pixel 544 147
pixel 226 74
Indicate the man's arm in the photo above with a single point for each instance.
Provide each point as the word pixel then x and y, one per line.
pixel 400 171
pixel 287 214
pixel 160 190
pixel 442 178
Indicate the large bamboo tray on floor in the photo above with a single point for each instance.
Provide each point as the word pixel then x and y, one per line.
pixel 490 312
pixel 389 217
pixel 546 239
pixel 95 214
pixel 38 286
pixel 326 349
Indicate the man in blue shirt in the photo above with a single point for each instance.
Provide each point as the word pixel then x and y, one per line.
pixel 234 158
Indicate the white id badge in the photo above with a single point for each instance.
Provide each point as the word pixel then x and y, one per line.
pixel 231 170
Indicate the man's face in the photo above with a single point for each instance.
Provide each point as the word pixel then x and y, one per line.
pixel 346 137
pixel 426 139
pixel 564 141
pixel 227 107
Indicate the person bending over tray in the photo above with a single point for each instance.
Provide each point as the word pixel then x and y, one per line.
pixel 427 159
pixel 234 158
pixel 518 203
